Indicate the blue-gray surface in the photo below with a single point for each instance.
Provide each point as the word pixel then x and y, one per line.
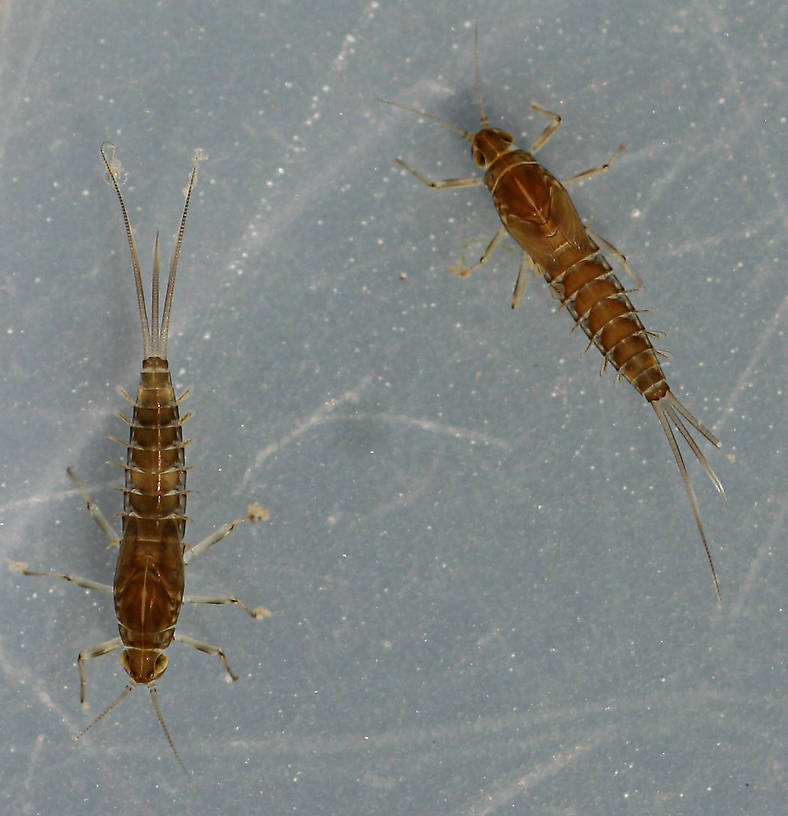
pixel 491 594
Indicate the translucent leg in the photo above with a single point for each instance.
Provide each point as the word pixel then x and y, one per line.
pixel 619 256
pixel 491 247
pixel 95 512
pixel 443 184
pixel 522 278
pixel 95 651
pixel 254 513
pixel 594 171
pixel 206 648
pixel 77 580
pixel 85 583
pixel 544 137
pixel 257 613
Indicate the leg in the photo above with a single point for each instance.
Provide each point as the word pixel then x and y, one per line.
pixel 443 184
pixel 491 247
pixel 206 648
pixel 95 512
pixel 594 171
pixel 522 279
pixel 542 139
pixel 85 583
pixel 255 512
pixel 77 580
pixel 620 257
pixel 95 651
pixel 257 613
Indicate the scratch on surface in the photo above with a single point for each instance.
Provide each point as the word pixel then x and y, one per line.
pixel 417 745
pixel 766 547
pixel 338 63
pixel 525 777
pixel 402 498
pixel 15 90
pixel 32 767
pixel 436 427
pixel 53 489
pixel 19 673
pixel 319 417
pixel 367 15
pixel 764 341
pixel 326 413
pixel 734 63
pixel 746 232
pixel 261 229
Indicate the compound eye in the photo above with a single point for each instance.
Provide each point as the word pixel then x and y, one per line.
pixel 160 665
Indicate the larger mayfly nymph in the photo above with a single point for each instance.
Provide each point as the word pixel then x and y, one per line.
pixel 148 588
pixel 536 210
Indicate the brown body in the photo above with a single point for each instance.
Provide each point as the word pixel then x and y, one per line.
pixel 149 575
pixel 536 210
pixel 538 213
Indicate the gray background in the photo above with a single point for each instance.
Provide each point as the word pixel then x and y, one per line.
pixel 491 593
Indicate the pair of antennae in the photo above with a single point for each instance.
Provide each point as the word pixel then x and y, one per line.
pixel 482 115
pixel 155 700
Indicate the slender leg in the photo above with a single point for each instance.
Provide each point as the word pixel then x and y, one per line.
pixel 544 137
pixel 77 580
pixel 619 256
pixel 522 278
pixel 443 184
pixel 521 282
pixel 257 613
pixel 594 171
pixel 491 247
pixel 255 512
pixel 95 512
pixel 95 651
pixel 206 648
pixel 448 184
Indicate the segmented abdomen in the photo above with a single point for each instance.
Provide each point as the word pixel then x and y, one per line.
pixel 595 298
pixel 539 214
pixel 155 486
